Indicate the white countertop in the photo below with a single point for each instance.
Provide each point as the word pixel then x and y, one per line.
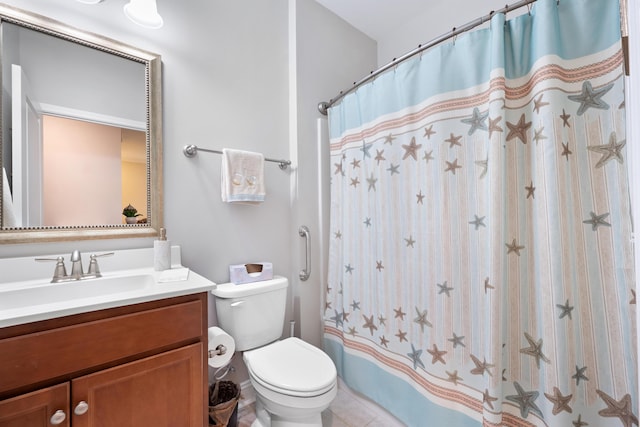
pixel 62 306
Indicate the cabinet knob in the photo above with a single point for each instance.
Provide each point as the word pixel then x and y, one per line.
pixel 58 417
pixel 81 408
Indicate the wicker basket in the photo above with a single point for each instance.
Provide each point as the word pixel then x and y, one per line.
pixel 223 402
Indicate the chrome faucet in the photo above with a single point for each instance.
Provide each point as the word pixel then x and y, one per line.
pixel 76 265
pixel 77 272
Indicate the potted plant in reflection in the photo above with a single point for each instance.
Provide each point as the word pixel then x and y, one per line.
pixel 130 214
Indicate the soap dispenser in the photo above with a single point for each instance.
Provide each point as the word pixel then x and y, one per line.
pixel 162 252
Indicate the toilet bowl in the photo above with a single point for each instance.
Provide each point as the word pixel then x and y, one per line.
pixel 294 382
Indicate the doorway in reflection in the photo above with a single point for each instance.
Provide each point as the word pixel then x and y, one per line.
pixel 90 172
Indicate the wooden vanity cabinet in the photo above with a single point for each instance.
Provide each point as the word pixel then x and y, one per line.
pixel 141 365
pixel 41 408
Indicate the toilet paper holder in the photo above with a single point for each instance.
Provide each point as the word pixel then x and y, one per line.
pixel 218 351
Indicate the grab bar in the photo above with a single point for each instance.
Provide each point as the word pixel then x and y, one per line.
pixel 304 232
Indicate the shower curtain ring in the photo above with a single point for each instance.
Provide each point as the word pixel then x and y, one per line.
pixel 455 36
pixel 529 9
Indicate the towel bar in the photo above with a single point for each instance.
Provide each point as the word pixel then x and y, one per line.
pixel 191 150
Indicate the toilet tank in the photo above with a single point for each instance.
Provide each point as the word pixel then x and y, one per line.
pixel 252 313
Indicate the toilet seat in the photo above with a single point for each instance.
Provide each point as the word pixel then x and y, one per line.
pixel 292 367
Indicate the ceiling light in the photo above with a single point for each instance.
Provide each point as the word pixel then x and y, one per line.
pixel 143 12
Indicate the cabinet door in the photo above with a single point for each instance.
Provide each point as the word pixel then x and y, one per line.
pixel 165 390
pixel 41 408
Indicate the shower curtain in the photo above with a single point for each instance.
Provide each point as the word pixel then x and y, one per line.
pixel 481 263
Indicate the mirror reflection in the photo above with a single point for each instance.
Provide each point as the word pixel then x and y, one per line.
pixel 67 143
pixel 104 164
pixel 80 142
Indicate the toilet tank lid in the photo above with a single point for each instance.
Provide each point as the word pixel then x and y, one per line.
pixel 231 290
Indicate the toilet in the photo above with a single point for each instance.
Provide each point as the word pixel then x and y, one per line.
pixel 294 381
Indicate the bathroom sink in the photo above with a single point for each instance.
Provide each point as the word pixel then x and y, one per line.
pixel 51 293
pixel 128 277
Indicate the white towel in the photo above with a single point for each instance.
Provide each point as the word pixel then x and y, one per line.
pixel 8 215
pixel 242 176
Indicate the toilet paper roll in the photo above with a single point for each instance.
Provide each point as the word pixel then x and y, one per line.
pixel 221 347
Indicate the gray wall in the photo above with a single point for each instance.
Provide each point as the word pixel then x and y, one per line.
pixel 329 55
pixel 233 77
pixel 225 84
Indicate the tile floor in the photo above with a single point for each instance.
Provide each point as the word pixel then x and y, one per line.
pixel 348 409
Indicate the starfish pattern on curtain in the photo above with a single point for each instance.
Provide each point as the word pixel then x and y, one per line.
pixel 481 268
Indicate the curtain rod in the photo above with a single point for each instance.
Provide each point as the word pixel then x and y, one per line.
pixel 324 106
